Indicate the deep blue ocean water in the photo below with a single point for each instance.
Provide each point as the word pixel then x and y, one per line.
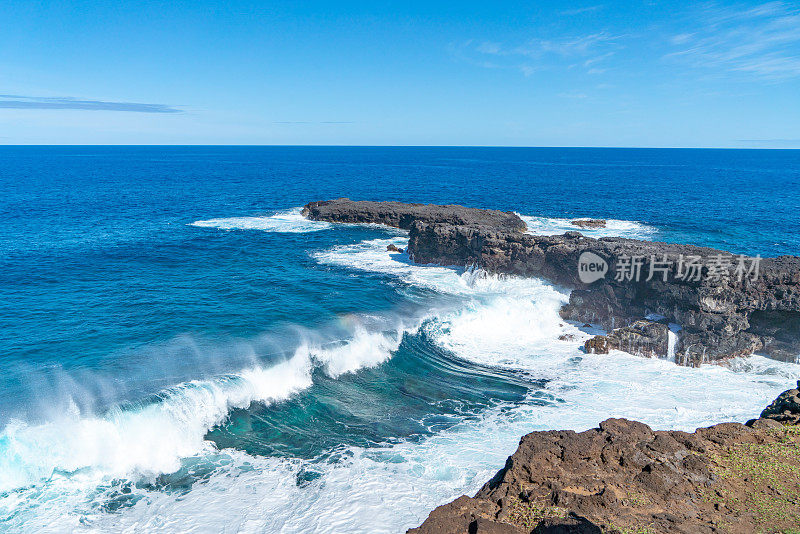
pixel 180 349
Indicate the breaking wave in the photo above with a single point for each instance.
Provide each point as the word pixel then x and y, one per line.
pixel 54 474
pixel 78 453
pixel 613 228
pixel 290 221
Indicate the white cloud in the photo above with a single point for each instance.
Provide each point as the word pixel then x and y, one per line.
pixel 581 10
pixel 762 40
pixel 573 94
pixel 583 51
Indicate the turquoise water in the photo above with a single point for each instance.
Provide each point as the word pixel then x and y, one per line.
pixel 181 350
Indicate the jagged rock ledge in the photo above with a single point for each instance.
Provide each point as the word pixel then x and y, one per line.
pixel 403 215
pixel 734 313
pixel 623 477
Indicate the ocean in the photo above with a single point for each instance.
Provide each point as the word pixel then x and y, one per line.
pixel 180 350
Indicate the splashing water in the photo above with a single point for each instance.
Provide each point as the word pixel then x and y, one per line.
pixel 672 341
pixel 290 221
pixel 613 228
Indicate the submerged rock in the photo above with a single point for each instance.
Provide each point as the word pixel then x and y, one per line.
pixel 642 338
pixel 589 223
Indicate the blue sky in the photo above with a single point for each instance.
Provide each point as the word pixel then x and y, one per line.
pixel 401 73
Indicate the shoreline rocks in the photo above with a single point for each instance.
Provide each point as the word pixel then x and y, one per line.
pixel 786 408
pixel 624 477
pixel 642 338
pixel 726 305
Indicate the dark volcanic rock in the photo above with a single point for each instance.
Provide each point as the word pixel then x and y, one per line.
pixel 786 408
pixel 715 312
pixel 401 215
pixel 589 223
pixel 597 345
pixel 394 248
pixel 625 477
pixel 724 308
pixel 642 338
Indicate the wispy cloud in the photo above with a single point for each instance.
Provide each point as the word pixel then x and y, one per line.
pixel 571 47
pixel 583 52
pixel 36 102
pixel 762 41
pixel 574 95
pixel 581 10
pixel 313 122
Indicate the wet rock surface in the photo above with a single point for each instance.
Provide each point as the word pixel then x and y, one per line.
pixel 624 477
pixel 642 338
pixel 724 307
pixel 589 223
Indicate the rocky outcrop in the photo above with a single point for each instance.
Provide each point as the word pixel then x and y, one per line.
pixel 727 305
pixel 642 338
pixel 731 313
pixel 624 477
pixel 589 223
pixel 403 215
pixel 786 408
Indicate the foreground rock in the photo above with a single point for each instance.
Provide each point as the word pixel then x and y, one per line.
pixel 786 408
pixel 727 305
pixel 623 477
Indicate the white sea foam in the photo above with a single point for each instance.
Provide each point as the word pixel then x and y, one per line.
pixel 505 322
pixel 141 441
pixel 76 453
pixel 373 256
pixel 290 221
pixel 389 489
pixel 613 228
pixel 366 349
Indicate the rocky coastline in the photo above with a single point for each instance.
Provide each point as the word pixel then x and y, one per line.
pixel 724 304
pixel 625 478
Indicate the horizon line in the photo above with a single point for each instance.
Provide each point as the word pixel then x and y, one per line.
pixel 610 147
